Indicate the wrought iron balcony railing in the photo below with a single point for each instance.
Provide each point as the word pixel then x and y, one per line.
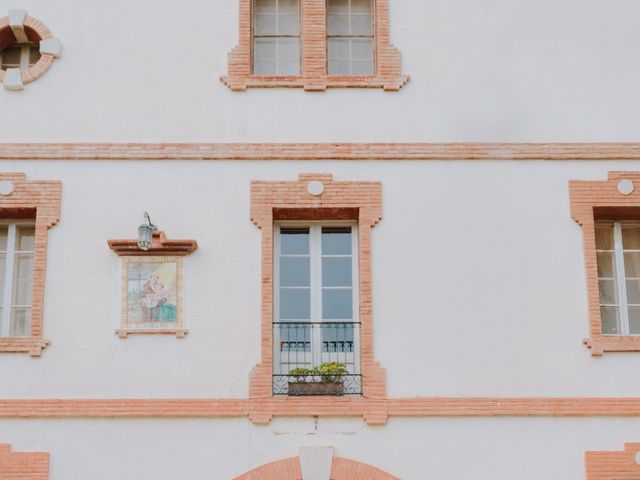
pixel 316 358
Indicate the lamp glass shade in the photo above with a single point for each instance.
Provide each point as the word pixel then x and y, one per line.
pixel 145 234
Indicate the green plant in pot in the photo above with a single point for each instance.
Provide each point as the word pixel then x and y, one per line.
pixel 325 379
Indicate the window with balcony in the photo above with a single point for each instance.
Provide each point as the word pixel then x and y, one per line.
pixel 316 326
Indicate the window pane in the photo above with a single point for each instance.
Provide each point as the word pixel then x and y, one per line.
pixel 610 323
pixel 630 237
pixel 294 241
pixel 264 68
pixel 289 49
pixel 338 49
pixel 11 56
pixel 25 238
pixel 264 49
pixel 265 25
pixel 3 263
pixel 362 49
pixel 604 237
pixel 288 24
pixel 295 337
pixel 339 67
pixel 361 6
pixel 337 304
pixel 22 275
pixel 20 322
pixel 338 6
pixel 633 291
pixel 361 25
pixel 265 6
pixel 34 55
pixel 288 68
pixel 337 338
pixel 606 264
pixel 3 238
pixel 362 67
pixel 607 292
pixel 336 272
pixel 295 304
pixel 632 264
pixel 294 272
pixel 288 6
pixel 338 25
pixel 336 240
pixel 634 320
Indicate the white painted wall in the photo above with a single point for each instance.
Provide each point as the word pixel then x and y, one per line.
pixel 412 449
pixel 491 70
pixel 479 282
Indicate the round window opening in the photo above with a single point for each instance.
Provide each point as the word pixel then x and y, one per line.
pixel 27 49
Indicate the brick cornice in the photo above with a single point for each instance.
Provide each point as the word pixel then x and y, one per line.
pixel 320 151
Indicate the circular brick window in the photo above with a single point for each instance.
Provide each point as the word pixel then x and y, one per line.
pixel 27 49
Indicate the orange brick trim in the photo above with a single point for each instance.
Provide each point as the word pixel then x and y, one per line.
pixel 585 196
pixel 614 465
pixel 161 246
pixel 36 31
pixel 341 469
pixel 43 197
pixel 320 151
pixel 366 197
pixel 393 407
pixel 23 466
pixel 314 57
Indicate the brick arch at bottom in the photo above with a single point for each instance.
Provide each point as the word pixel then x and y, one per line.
pixel 341 469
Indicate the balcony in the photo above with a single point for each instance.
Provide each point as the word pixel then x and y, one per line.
pixel 316 358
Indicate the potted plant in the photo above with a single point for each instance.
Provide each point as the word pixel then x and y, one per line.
pixel 325 379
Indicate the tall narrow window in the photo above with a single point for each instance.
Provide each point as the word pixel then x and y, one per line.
pixel 276 37
pixel 20 56
pixel 618 254
pixel 16 277
pixel 350 42
pixel 316 321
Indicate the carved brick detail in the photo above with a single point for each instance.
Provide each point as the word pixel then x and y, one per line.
pixel 613 465
pixel 23 465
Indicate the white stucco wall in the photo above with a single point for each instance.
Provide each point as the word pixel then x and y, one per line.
pixel 412 449
pixel 496 70
pixel 478 280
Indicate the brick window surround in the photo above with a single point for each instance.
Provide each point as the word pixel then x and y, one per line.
pixel 614 465
pixel 40 200
pixel 313 66
pixel 291 200
pixel 603 199
pixel 21 27
pixel 23 465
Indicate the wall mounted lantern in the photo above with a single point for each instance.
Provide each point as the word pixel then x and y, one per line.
pixel 145 233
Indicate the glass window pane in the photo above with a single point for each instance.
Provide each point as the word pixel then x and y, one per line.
pixel 338 6
pixel 362 67
pixel 20 324
pixel 634 320
pixel 288 24
pixel 633 291
pixel 294 241
pixel 339 67
pixel 336 272
pixel 606 264
pixel 289 68
pixel 336 240
pixel 630 237
pixel 607 292
pixel 11 56
pixel 294 272
pixel 295 304
pixel 25 239
pixel 265 6
pixel 3 238
pixel 288 6
pixel 610 323
pixel 265 25
pixel 604 237
pixel 361 6
pixel 338 25
pixel 3 263
pixel 337 337
pixel 289 49
pixel 338 49
pixel 337 304
pixel 362 49
pixel 295 337
pixel 264 49
pixel 34 55
pixel 361 25
pixel 22 275
pixel 264 68
pixel 632 264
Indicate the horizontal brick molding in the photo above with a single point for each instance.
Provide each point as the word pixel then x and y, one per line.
pixel 23 465
pixel 319 151
pixel 297 407
pixel 160 246
pixel 586 196
pixel 291 198
pixel 341 469
pixel 313 66
pixel 35 31
pixel 614 465
pixel 39 200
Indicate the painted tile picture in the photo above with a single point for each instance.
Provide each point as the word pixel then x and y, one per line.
pixel 152 292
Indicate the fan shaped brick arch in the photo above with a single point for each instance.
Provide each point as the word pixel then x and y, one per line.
pixel 341 469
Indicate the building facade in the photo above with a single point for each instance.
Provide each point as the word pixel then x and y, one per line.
pixel 385 240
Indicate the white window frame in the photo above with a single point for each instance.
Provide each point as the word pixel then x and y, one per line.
pixel 315 264
pixel 620 276
pixel 7 293
pixel 25 55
